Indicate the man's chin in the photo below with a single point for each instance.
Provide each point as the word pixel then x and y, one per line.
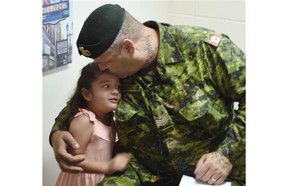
pixel 123 76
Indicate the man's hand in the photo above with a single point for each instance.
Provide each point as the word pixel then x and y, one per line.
pixel 61 141
pixel 213 168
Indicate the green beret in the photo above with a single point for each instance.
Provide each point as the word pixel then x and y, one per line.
pixel 100 30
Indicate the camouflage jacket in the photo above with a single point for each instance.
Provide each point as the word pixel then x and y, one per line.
pixel 181 107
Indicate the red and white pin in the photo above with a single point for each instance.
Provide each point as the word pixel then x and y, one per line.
pixel 215 39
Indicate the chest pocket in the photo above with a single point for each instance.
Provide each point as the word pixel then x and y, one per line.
pixel 195 105
pixel 142 111
pixel 197 108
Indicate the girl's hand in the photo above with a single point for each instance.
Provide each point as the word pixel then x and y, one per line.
pixel 118 163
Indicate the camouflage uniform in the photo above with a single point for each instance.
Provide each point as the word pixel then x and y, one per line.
pixel 181 107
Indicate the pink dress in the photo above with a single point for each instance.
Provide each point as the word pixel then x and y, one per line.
pixel 99 149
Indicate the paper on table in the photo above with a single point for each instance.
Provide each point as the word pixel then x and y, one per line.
pixel 190 181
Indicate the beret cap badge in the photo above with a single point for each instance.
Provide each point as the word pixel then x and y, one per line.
pixel 86 53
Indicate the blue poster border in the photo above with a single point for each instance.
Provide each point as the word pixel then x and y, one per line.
pixel 57 27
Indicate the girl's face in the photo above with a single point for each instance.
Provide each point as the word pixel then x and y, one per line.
pixel 105 93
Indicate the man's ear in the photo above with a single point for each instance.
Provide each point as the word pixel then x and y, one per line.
pixel 128 46
pixel 86 94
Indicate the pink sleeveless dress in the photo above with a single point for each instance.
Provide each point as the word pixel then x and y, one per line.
pixel 99 149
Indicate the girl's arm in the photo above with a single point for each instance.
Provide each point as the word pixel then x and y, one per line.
pixel 116 164
pixel 82 129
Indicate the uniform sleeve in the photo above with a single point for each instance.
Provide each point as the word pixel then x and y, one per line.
pixel 59 120
pixel 228 72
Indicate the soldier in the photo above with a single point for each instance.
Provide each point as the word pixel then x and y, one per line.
pixel 179 85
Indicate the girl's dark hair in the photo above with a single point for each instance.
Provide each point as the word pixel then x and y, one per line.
pixel 89 74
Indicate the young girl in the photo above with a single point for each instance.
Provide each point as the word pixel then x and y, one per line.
pixel 91 123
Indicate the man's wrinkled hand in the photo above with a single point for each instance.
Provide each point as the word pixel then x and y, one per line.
pixel 213 168
pixel 61 141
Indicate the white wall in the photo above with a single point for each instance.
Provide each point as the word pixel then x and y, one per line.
pixel 225 16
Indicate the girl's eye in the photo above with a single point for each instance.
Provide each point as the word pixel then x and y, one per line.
pixel 106 86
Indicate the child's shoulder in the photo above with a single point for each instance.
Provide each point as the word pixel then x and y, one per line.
pixel 80 121
pixel 87 113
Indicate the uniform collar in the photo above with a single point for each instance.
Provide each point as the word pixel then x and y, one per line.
pixel 168 49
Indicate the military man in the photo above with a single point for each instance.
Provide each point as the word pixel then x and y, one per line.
pixel 179 86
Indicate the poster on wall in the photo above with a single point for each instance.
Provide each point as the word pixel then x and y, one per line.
pixel 57 28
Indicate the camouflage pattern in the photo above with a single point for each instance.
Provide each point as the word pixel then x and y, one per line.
pixel 181 107
pixel 59 121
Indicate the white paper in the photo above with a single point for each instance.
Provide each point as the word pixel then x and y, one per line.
pixel 190 181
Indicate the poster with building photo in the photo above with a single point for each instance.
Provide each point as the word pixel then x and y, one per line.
pixel 57 28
